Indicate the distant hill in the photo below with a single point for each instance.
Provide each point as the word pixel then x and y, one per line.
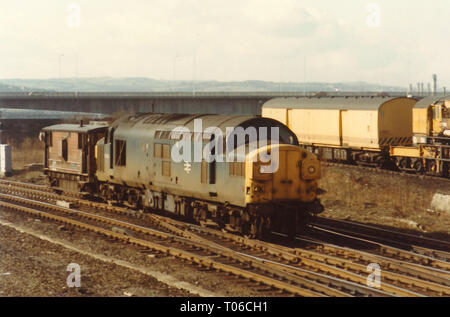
pixel 14 88
pixel 109 84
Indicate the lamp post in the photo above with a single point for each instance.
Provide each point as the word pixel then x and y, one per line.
pixel 174 68
pixel 59 70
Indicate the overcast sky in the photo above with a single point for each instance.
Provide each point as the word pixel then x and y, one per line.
pixel 393 42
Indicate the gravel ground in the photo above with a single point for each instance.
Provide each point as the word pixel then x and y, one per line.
pixel 30 266
pixel 391 201
pixel 38 268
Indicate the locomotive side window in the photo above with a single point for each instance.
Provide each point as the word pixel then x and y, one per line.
pixel 121 152
pixel 100 159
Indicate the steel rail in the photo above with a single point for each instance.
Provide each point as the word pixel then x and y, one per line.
pixel 314 260
pixel 441 247
pixel 204 261
pixel 385 250
pixel 314 289
pixel 313 265
pixel 53 196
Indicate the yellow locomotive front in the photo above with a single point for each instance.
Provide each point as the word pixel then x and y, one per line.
pixel 293 178
pixel 282 194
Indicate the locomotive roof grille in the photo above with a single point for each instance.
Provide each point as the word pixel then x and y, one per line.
pixel 163 124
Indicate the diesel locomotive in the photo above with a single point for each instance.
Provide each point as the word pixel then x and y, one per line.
pixel 269 184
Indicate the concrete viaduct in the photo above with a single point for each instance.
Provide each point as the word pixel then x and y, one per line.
pixel 109 103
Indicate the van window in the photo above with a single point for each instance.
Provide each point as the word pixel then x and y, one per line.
pixel 64 149
pixel 80 141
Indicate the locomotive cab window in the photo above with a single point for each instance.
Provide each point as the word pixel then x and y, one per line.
pixel 121 152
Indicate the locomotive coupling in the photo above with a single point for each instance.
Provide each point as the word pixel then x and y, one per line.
pixel 315 207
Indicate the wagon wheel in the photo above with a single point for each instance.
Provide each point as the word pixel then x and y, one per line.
pixel 404 164
pixel 432 168
pixel 380 162
pixel 418 167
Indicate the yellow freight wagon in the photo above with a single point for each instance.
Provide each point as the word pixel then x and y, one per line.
pixel 430 152
pixel 356 129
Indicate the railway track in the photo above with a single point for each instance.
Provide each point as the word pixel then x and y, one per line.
pixel 437 249
pixel 332 274
pixel 196 253
pixel 210 257
pixel 397 274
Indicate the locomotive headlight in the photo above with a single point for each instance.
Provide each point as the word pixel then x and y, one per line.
pixel 414 140
pixel 311 170
pixel 258 189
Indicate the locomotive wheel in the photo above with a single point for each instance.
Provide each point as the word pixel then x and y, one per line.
pixel 259 228
pixel 121 195
pixel 134 198
pixel 105 192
